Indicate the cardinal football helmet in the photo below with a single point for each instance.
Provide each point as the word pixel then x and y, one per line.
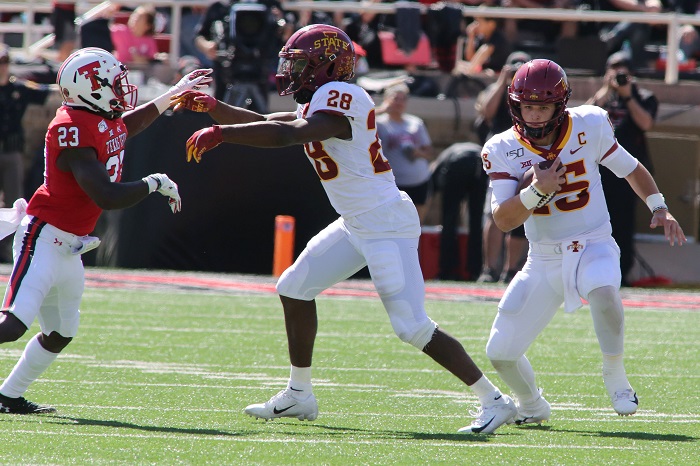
pixel 313 56
pixel 93 79
pixel 538 82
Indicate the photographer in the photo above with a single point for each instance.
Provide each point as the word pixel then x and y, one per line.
pixel 632 111
pixel 241 38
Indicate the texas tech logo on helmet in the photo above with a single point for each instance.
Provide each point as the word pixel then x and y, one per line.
pixel 90 72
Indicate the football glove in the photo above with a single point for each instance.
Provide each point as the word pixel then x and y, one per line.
pixel 167 187
pixel 197 79
pixel 202 141
pixel 194 101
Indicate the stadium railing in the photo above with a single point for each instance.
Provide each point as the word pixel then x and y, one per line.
pixel 32 45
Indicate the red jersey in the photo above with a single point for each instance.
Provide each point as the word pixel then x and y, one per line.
pixel 60 201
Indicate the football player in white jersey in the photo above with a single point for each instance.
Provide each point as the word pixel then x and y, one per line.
pixel 572 253
pixel 378 225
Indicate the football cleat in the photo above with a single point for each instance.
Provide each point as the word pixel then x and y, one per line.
pixel 490 418
pixel 285 405
pixel 533 413
pixel 22 406
pixel 625 402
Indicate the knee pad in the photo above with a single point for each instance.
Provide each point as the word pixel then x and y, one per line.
pixel 415 333
pixel 292 279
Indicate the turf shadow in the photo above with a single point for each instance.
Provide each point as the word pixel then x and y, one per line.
pixel 635 435
pixel 128 425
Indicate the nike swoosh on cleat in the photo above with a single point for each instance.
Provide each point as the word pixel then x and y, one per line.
pixel 280 411
pixel 295 389
pixel 481 429
pixel 636 400
pixel 576 150
pixel 498 397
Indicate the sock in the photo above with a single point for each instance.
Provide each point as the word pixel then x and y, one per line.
pixel 520 377
pixel 486 391
pixel 33 362
pixel 614 374
pixel 300 382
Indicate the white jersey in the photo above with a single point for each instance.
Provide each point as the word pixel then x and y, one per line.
pixel 354 172
pixel 585 142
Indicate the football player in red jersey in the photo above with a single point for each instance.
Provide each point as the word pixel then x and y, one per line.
pixel 572 253
pixel 84 153
pixel 378 225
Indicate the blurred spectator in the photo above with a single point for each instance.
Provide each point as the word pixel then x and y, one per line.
pixel 636 35
pixel 484 47
pixel 493 118
pixel 458 175
pixel 63 21
pixel 540 30
pixel 632 111
pixel 134 42
pixel 191 17
pixel 363 28
pixel 407 145
pixel 15 96
pixel 444 22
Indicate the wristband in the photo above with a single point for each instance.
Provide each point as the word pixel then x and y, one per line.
pixel 530 197
pixel 153 184
pixel 656 202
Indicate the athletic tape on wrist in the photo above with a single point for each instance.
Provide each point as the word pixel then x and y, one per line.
pixel 530 197
pixel 163 102
pixel 656 202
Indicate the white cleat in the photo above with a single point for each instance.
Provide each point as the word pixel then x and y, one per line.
pixel 285 405
pixel 625 402
pixel 492 417
pixel 536 412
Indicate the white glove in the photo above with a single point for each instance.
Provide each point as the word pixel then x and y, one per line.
pixel 167 187
pixel 197 79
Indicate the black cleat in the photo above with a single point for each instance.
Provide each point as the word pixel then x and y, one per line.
pixel 22 406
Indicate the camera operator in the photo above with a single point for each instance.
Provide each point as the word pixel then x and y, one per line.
pixel 632 111
pixel 241 38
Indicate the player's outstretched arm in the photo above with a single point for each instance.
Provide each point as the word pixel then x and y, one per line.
pixel 222 112
pixel 318 127
pixel 142 116
pixel 644 185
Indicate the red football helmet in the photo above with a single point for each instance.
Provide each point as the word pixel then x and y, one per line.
pixel 538 82
pixel 313 56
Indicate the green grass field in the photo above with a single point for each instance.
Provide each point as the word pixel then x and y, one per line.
pixel 162 377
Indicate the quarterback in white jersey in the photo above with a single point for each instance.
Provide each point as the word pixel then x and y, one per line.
pixel 572 254
pixel 378 225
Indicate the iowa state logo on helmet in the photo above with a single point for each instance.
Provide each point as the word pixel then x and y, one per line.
pixel 336 46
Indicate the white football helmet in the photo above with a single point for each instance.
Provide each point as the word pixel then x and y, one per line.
pixel 94 79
